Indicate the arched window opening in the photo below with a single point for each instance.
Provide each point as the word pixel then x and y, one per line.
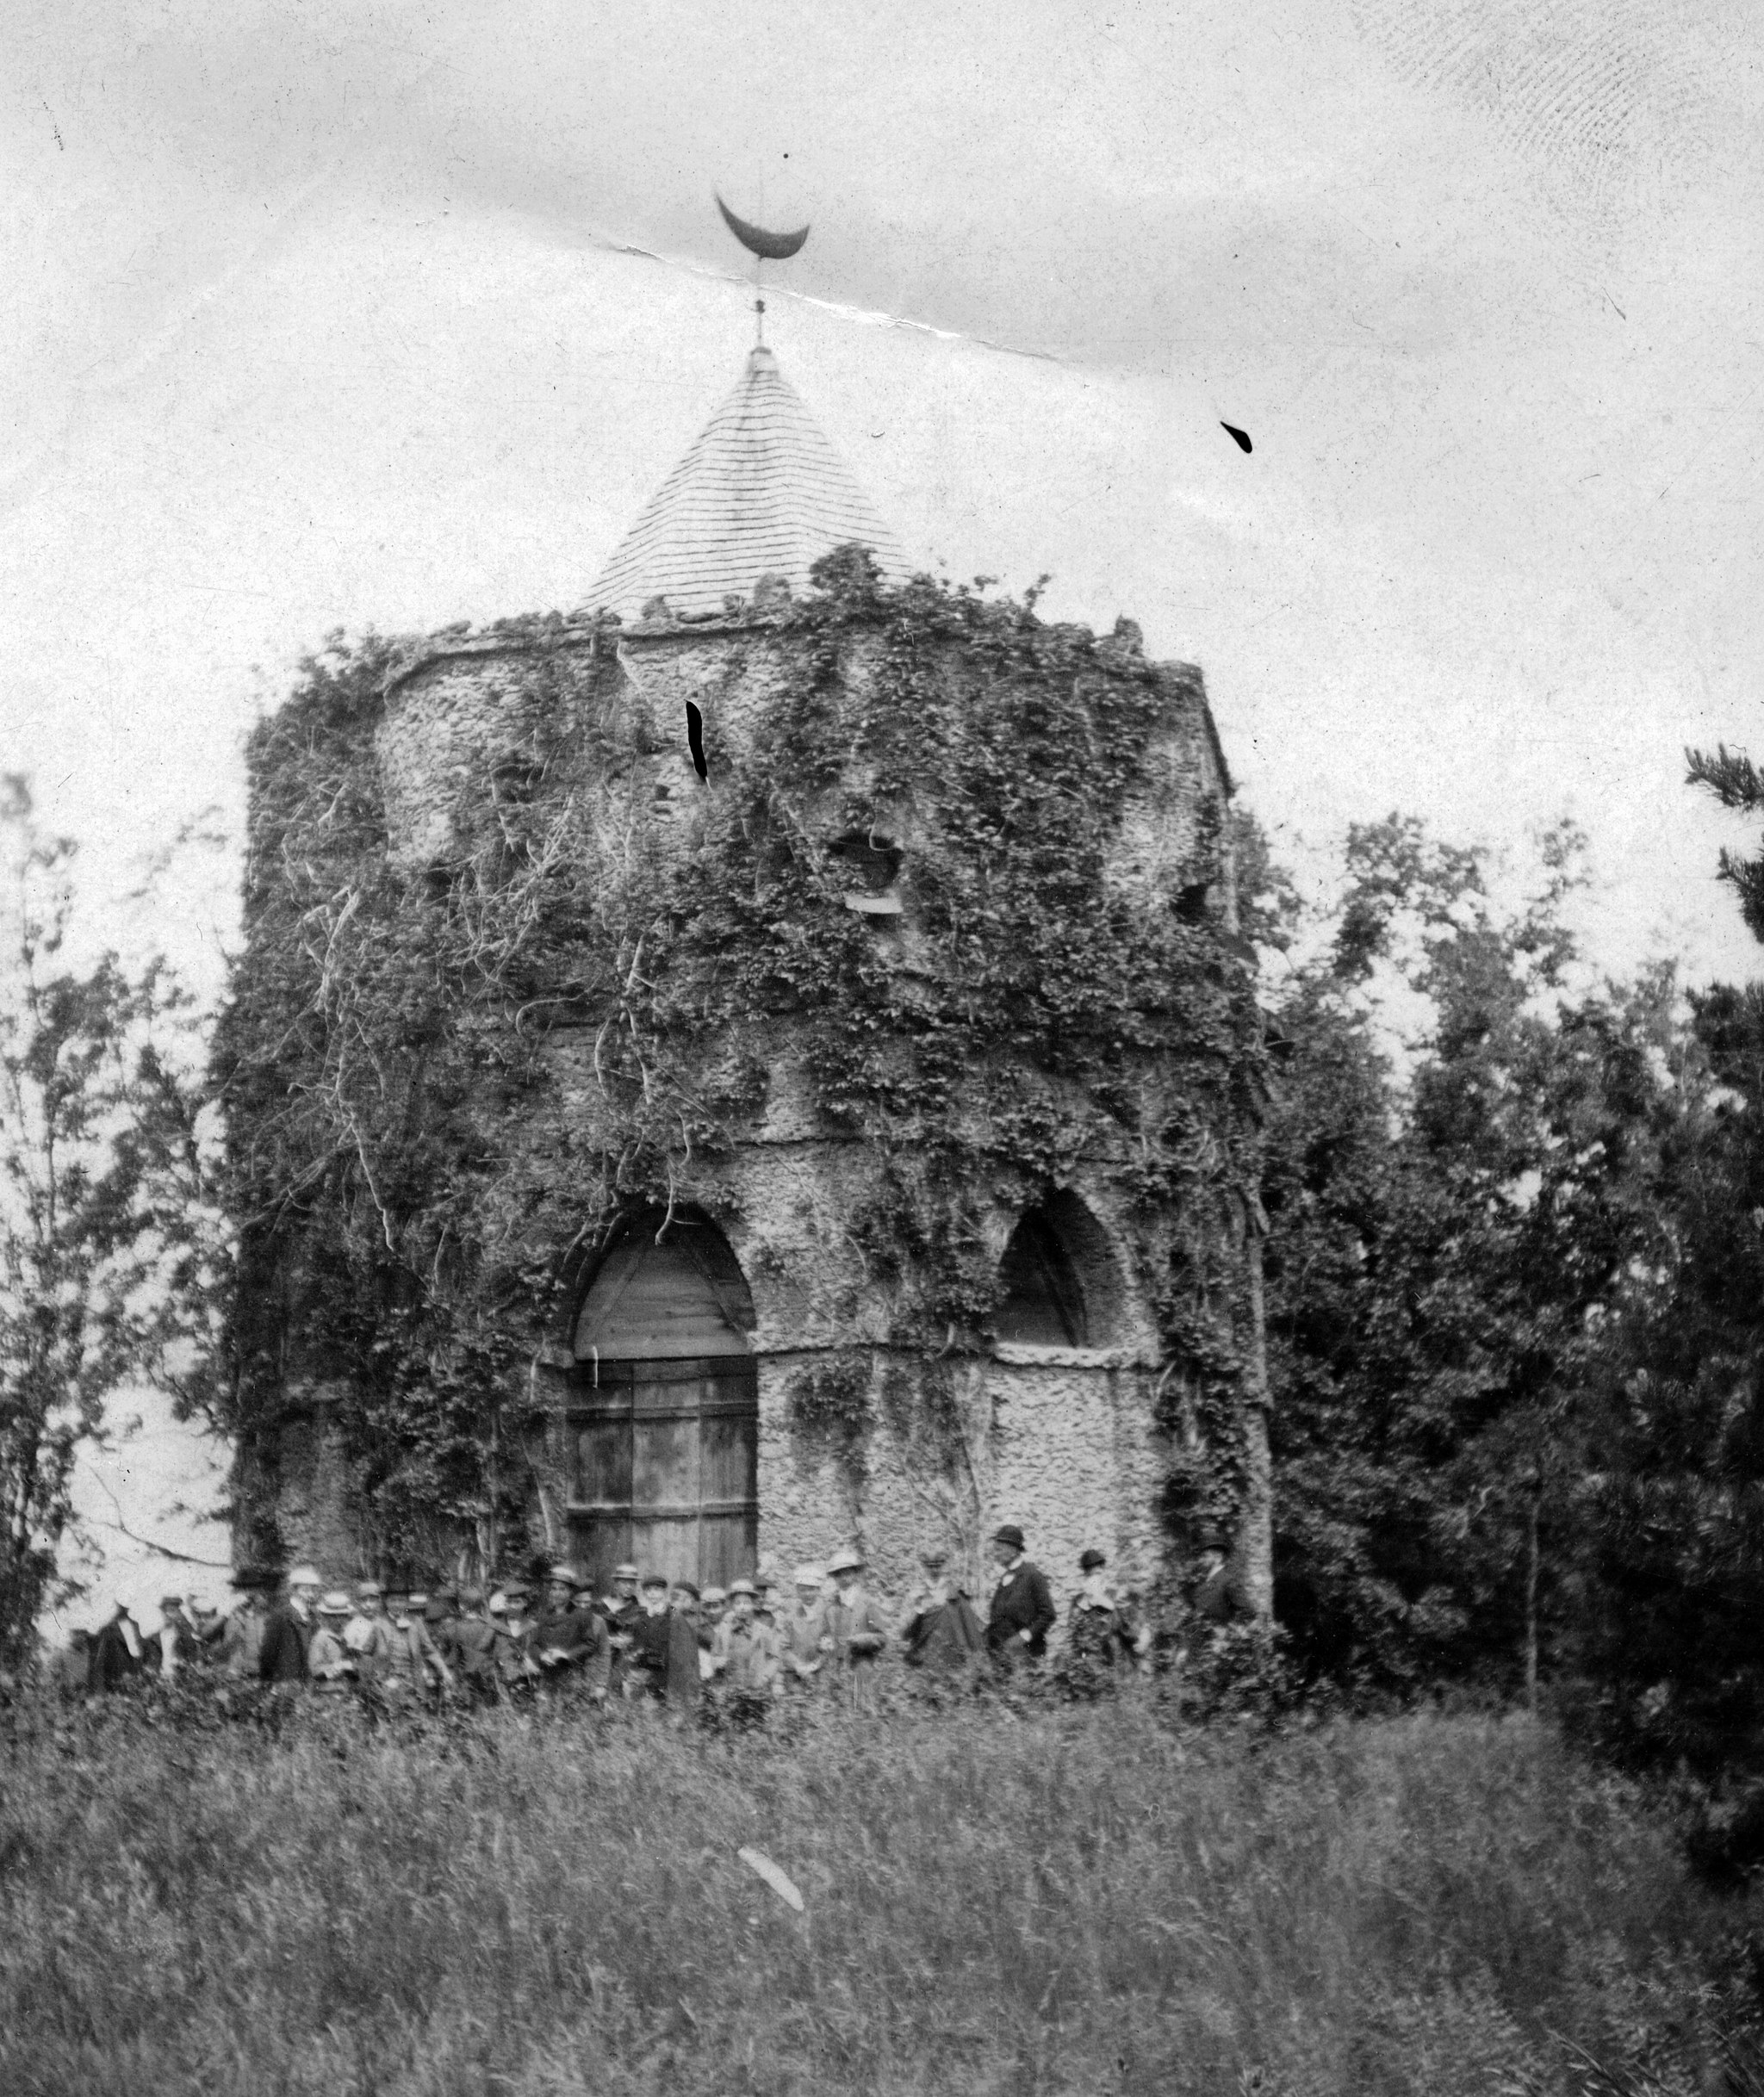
pixel 695 740
pixel 1059 1278
pixel 1044 1300
pixel 663 1407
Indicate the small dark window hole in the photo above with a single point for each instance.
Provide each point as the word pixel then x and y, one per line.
pixel 695 740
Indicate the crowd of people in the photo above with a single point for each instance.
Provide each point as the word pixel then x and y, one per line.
pixel 823 1634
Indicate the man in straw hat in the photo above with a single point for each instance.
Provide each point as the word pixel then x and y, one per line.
pixel 853 1632
pixel 369 1632
pixel 1022 1612
pixel 571 1645
pixel 330 1663
pixel 618 1610
pixel 747 1653
pixel 281 1657
pixel 802 1630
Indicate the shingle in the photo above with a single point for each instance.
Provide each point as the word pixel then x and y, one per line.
pixel 761 493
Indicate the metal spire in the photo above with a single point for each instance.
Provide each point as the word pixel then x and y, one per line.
pixel 761 245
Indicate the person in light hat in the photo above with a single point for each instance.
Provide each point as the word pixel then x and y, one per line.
pixel 330 1663
pixel 853 1632
pixel 620 1611
pixel 939 1631
pixel 281 1657
pixel 369 1632
pixel 747 1654
pixel 1100 1639
pixel 175 1639
pixel 1022 1612
pixel 515 1668
pixel 713 1607
pixel 206 1619
pixel 802 1655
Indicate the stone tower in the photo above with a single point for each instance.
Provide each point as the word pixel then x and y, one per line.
pixel 763 1061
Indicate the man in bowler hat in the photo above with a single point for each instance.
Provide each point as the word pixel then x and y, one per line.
pixel 1022 1612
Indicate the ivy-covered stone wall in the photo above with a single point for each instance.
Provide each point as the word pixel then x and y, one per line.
pixel 946 925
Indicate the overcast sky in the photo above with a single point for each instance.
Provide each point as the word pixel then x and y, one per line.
pixel 325 315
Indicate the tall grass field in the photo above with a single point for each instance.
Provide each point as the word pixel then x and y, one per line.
pixel 1086 1902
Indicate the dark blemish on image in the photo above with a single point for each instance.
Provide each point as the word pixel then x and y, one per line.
pixel 695 740
pixel 1239 438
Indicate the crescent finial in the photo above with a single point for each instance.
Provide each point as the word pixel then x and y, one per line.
pixel 774 247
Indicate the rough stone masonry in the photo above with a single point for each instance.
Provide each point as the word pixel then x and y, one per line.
pixel 874 949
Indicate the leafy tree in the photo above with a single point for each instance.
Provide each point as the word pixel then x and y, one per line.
pixel 1669 1643
pixel 1456 1177
pixel 109 1257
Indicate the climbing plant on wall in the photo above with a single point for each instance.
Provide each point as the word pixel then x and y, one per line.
pixel 405 1154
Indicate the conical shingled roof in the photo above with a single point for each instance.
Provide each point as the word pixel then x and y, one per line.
pixel 761 493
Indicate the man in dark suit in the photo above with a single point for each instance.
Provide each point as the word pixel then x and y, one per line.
pixel 663 1662
pixel 1022 1610
pixel 570 1645
pixel 289 1633
pixel 115 1653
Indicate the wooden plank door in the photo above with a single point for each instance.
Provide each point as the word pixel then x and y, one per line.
pixel 666 1469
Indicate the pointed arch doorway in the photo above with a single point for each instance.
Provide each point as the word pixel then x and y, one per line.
pixel 663 1408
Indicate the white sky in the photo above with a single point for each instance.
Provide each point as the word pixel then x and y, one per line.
pixel 316 317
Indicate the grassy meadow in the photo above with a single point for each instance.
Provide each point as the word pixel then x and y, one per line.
pixel 1085 1902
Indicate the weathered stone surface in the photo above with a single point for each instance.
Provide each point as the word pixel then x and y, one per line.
pixel 1065 1440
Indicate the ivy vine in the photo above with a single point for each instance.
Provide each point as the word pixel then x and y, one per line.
pixel 410 1171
